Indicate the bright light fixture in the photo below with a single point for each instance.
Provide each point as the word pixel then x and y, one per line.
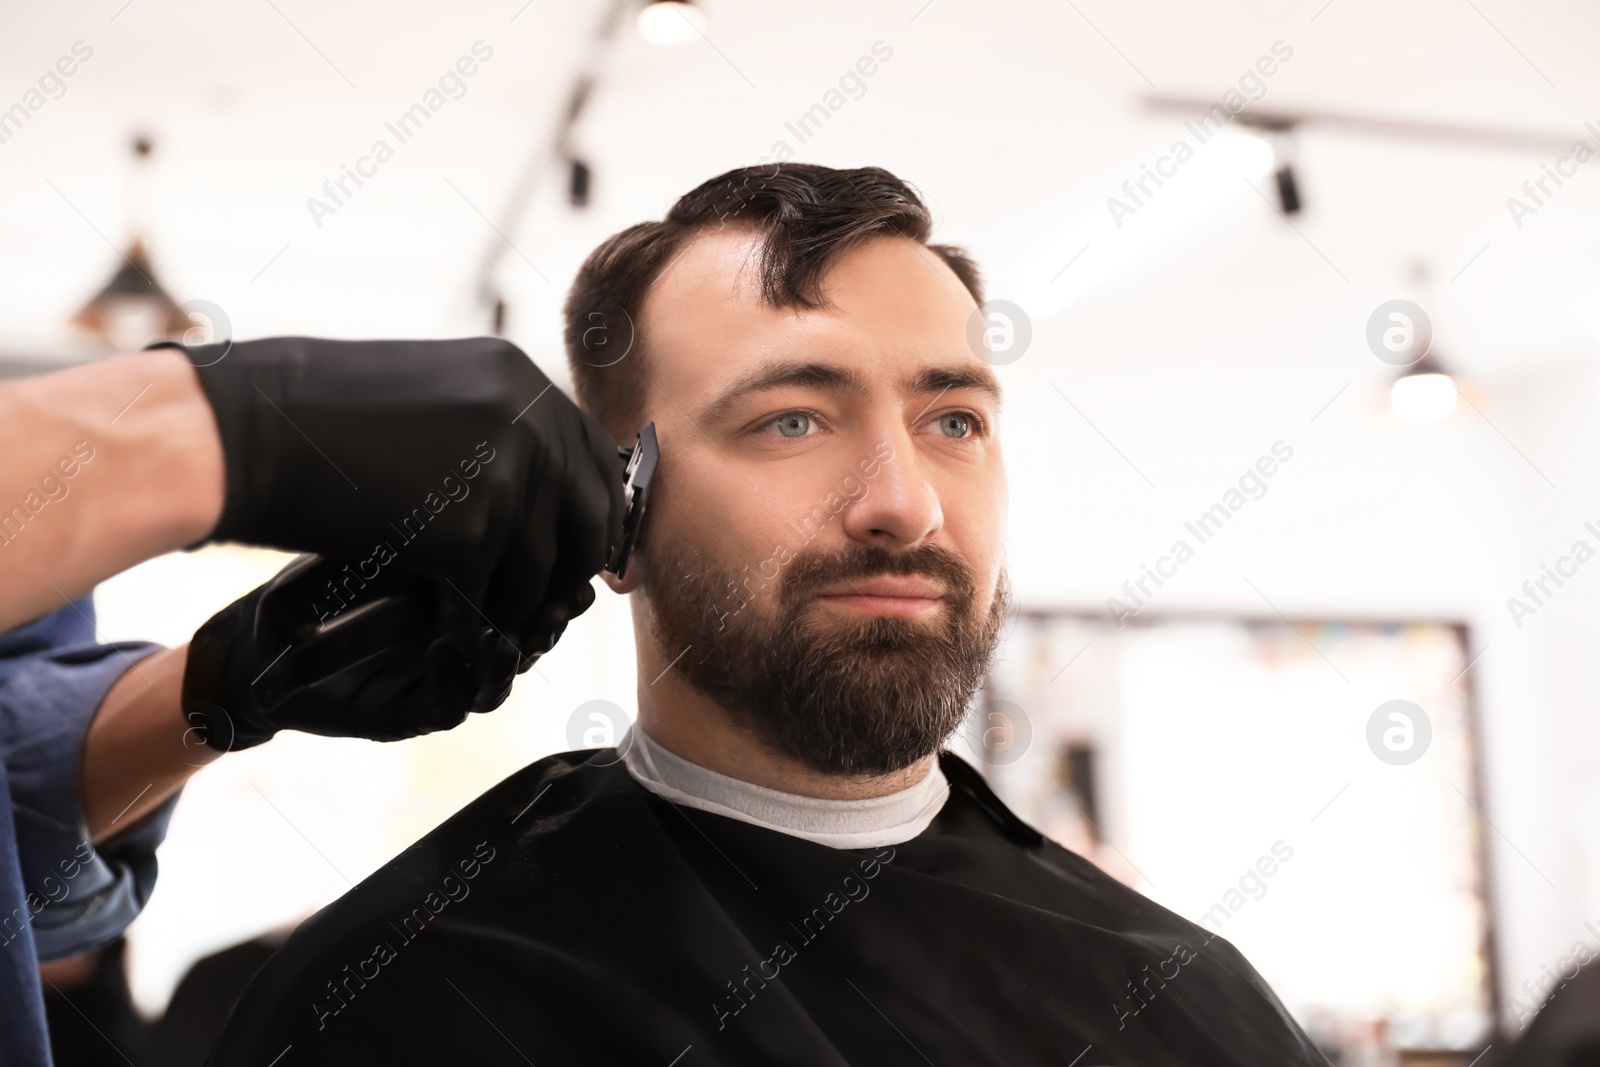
pixel 1251 153
pixel 670 23
pixel 1423 399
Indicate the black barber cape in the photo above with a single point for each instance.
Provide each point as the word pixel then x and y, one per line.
pixel 570 916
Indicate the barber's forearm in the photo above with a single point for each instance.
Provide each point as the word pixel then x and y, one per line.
pixel 139 750
pixel 101 467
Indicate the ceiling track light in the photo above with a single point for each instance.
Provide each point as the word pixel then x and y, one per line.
pixel 670 23
pixel 1279 137
pixel 578 179
pixel 1425 393
pixel 561 158
pixel 1288 189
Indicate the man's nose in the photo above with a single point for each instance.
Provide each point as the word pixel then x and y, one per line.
pixel 901 507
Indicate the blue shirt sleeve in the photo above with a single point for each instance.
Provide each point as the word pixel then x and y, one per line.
pixel 75 897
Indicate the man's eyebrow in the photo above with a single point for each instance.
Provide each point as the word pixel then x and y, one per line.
pixel 816 375
pixel 943 379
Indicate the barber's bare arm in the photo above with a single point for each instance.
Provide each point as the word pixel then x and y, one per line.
pixel 101 467
pixel 139 750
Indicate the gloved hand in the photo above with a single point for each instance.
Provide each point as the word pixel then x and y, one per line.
pixel 453 459
pixel 406 657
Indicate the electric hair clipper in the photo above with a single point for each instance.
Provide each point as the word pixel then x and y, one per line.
pixel 640 471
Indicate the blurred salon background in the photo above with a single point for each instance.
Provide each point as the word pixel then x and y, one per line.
pixel 1310 289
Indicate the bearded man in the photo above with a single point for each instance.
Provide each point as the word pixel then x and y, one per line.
pixel 779 863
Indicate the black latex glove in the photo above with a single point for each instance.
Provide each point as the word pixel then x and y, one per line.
pixel 453 459
pixel 407 657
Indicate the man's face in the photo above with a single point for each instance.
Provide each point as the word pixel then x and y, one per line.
pixel 823 557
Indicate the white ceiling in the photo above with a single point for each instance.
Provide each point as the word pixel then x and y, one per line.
pixel 1016 119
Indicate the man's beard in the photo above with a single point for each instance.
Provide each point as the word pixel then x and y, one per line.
pixel 841 694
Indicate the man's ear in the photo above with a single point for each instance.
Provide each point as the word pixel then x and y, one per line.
pixel 627 583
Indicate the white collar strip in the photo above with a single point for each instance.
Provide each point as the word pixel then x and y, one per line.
pixel 868 823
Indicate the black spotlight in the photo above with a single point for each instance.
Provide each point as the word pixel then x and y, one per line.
pixel 1288 191
pixel 578 184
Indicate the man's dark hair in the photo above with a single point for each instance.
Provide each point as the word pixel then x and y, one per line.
pixel 807 215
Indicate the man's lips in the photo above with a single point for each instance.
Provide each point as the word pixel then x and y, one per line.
pixel 903 596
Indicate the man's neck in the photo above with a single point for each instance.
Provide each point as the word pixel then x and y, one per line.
pixel 688 724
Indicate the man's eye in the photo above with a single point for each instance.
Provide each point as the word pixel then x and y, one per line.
pixel 790 424
pixel 955 424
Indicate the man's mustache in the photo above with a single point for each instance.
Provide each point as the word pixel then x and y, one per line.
pixel 810 574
